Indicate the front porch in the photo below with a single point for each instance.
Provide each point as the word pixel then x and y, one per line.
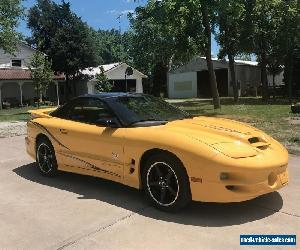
pixel 17 89
pixel 23 93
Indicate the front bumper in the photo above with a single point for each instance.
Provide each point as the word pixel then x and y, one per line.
pixel 240 186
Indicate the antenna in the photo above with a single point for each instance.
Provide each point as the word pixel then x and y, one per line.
pixel 119 20
pixel 120 33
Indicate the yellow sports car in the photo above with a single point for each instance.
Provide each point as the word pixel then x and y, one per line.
pixel 146 143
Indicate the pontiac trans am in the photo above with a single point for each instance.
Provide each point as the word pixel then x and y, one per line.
pixel 144 142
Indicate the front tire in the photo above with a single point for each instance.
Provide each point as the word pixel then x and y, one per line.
pixel 45 158
pixel 166 183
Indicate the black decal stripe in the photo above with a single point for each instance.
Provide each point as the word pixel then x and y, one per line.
pixel 222 129
pixel 48 132
pixel 91 166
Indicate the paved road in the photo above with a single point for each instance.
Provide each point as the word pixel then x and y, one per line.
pixel 77 212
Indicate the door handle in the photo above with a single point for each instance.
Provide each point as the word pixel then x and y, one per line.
pixel 63 131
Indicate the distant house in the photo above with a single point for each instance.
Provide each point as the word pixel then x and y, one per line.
pixel 115 72
pixel 16 86
pixel 192 80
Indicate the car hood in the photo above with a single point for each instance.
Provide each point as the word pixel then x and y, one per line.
pixel 232 138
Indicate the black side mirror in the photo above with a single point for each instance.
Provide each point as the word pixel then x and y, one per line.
pixel 110 122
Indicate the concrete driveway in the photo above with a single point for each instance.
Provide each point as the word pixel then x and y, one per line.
pixel 79 212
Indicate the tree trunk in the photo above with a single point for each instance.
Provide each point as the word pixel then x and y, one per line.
pixel 74 92
pixel 290 78
pixel 274 87
pixel 67 94
pixel 210 67
pixel 41 96
pixel 233 78
pixel 170 63
pixel 38 94
pixel 264 78
pixel 159 78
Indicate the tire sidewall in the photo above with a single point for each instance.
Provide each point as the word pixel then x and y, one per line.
pixel 184 195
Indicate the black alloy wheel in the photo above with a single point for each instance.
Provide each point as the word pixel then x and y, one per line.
pixel 166 182
pixel 45 157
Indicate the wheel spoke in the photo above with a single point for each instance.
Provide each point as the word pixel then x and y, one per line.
pixel 44 165
pixel 49 165
pixel 159 173
pixel 169 175
pixel 163 195
pixel 154 183
pixel 171 190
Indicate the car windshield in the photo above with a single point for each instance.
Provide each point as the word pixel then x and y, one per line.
pixel 134 109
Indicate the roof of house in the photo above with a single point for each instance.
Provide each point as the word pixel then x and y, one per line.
pixel 21 74
pixel 107 67
pixel 96 70
pixel 238 62
pixel 105 95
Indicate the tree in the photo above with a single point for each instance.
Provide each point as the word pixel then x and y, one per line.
pixel 266 16
pixel 274 67
pixel 111 45
pixel 229 18
pixel 10 13
pixel 155 45
pixel 103 84
pixel 41 73
pixel 206 19
pixel 288 40
pixel 64 37
pixel 193 20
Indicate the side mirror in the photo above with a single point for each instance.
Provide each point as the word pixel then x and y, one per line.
pixel 110 122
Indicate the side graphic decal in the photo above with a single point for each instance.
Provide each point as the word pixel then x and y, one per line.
pixel 91 166
pixel 47 131
pixel 87 164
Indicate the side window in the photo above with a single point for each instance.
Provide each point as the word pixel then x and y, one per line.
pixel 89 110
pixel 62 111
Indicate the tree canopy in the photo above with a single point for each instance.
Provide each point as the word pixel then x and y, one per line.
pixel 156 46
pixel 64 37
pixel 10 13
pixel 166 34
pixel 41 72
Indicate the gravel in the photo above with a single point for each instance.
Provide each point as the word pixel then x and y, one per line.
pixel 10 129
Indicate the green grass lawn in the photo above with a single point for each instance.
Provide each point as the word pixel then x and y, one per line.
pixel 16 114
pixel 274 118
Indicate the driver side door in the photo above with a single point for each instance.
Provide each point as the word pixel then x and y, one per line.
pixel 92 148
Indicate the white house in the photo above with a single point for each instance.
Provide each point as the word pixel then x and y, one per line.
pixel 192 80
pixel 115 72
pixel 16 86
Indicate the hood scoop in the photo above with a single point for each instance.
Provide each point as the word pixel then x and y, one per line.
pixel 258 143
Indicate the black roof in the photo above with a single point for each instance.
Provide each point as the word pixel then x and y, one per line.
pixel 105 95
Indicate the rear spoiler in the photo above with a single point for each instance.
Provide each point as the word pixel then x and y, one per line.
pixel 41 113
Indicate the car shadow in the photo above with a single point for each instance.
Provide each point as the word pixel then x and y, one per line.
pixel 196 214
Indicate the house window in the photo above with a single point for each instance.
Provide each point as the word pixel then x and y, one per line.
pixel 16 63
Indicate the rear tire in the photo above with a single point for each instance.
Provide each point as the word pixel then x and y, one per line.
pixel 166 183
pixel 45 158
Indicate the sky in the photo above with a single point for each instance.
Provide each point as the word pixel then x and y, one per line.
pixel 99 14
